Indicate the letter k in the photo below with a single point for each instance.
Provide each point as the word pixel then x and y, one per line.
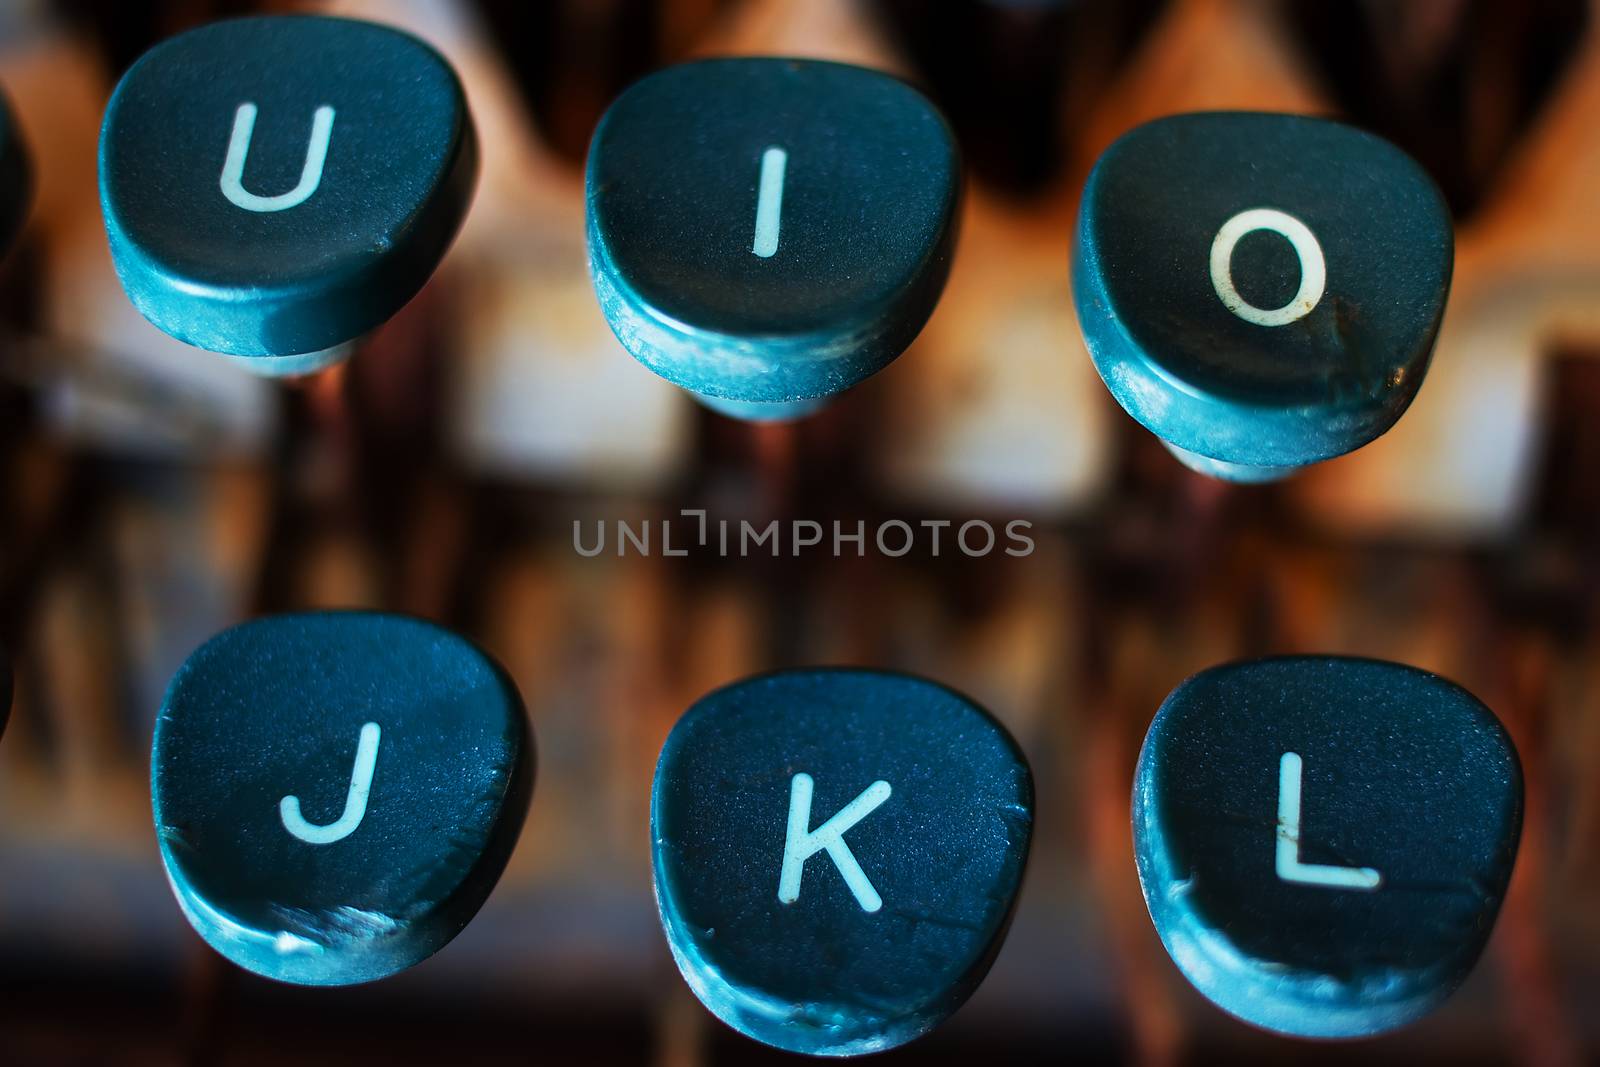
pixel 801 844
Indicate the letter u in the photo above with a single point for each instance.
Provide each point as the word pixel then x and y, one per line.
pixel 244 124
pixel 577 539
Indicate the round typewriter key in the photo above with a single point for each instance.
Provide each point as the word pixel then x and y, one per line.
pixel 280 185
pixel 1324 843
pixel 16 177
pixel 336 794
pixel 837 854
pixel 1260 291
pixel 766 233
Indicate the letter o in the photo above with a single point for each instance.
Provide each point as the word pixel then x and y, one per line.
pixel 1313 269
pixel 904 548
pixel 961 537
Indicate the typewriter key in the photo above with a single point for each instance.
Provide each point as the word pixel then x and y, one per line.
pixel 1260 291
pixel 766 233
pixel 1324 843
pixel 336 794
pixel 275 187
pixel 837 854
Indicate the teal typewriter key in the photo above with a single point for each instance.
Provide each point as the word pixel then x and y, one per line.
pixel 837 854
pixel 275 187
pixel 1260 291
pixel 1324 843
pixel 16 177
pixel 336 794
pixel 766 233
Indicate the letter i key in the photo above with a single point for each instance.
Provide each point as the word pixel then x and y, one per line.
pixel 766 233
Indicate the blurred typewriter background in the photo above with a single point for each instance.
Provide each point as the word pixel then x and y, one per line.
pixel 152 494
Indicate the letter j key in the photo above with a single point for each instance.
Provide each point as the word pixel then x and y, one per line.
pixel 837 853
pixel 766 233
pixel 1260 291
pixel 336 794
pixel 275 187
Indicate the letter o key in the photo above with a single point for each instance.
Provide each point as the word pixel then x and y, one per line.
pixel 1313 269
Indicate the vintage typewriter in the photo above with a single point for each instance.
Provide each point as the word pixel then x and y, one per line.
pixel 331 563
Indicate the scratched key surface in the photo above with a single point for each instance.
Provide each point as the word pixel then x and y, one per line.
pixel 768 232
pixel 336 794
pixel 1260 291
pixel 16 178
pixel 275 187
pixel 837 854
pixel 1324 843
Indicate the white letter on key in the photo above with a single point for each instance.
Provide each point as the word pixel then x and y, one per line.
pixel 244 125
pixel 801 844
pixel 355 801
pixel 1290 869
pixel 769 202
